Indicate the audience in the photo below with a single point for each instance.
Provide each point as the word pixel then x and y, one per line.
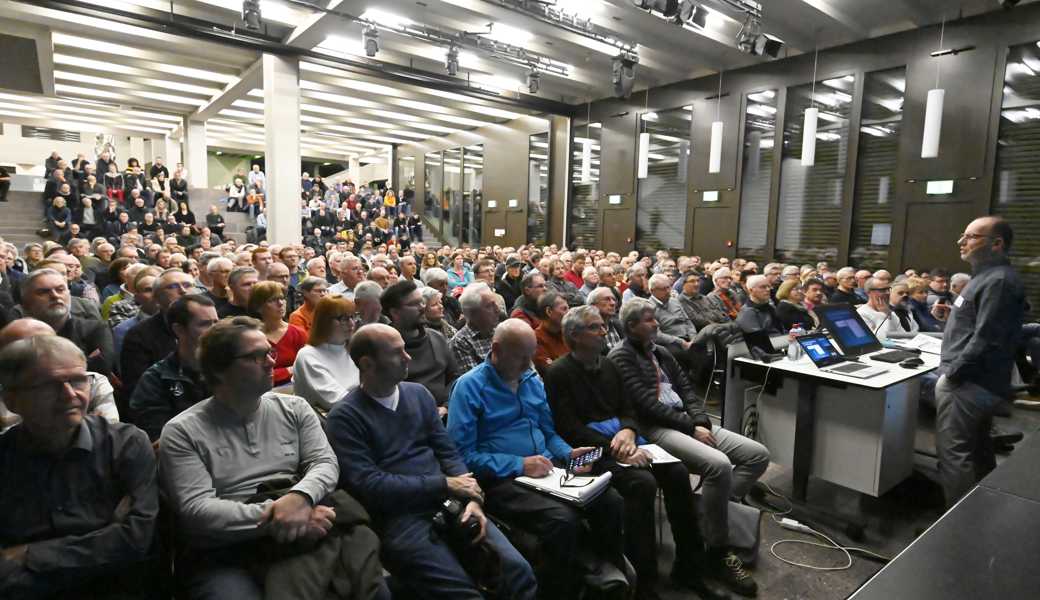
pixel 549 335
pixel 267 302
pixel 153 339
pixel 312 290
pixel 324 372
pixel 78 498
pixel 502 425
pixel 671 415
pixel 175 384
pixel 759 314
pixel 471 344
pixel 532 286
pixel 241 281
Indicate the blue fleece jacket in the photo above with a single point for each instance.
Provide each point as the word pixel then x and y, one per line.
pixel 494 427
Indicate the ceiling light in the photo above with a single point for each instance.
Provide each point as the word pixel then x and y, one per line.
pixel 694 14
pixel 451 62
pixel 533 81
pixel 508 35
pixel 251 14
pixel 371 37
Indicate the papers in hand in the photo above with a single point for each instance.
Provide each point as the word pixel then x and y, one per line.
pixel 574 490
pixel 658 455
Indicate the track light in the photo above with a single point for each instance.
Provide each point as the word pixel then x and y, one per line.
pixel 668 8
pixel 623 76
pixel 767 45
pixel 371 37
pixel 533 81
pixel 452 61
pixel 251 14
pixel 751 40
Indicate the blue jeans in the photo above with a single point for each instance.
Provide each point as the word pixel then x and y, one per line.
pixel 416 556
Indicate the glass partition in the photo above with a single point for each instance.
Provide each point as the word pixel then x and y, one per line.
pixel 879 131
pixel 473 193
pixel 583 220
pixel 809 218
pixel 451 202
pixel 661 197
pixel 1016 182
pixel 537 188
pixel 434 178
pixel 756 174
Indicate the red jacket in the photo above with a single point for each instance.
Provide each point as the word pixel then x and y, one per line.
pixel 574 278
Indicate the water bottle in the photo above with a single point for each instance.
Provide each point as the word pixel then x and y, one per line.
pixel 794 349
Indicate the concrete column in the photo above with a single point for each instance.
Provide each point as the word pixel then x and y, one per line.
pixel 195 159
pixel 137 150
pixel 281 77
pixel 171 153
pixel 354 170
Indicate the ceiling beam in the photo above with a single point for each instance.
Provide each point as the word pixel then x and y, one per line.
pixel 251 78
pixel 837 15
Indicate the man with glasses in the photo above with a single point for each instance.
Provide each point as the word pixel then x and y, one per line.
pixel 240 284
pixel 532 286
pixel 846 290
pixel 175 383
pixel 46 297
pixel 218 457
pixel 503 428
pixel 218 270
pixel 350 273
pixel 886 310
pixel 279 273
pixel 433 363
pixel 290 257
pixel 473 342
pixel 978 354
pixel 78 498
pixel 152 340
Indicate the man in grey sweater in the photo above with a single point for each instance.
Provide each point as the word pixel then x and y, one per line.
pixel 978 353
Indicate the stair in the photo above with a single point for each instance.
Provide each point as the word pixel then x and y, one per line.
pixel 20 217
pixel 235 223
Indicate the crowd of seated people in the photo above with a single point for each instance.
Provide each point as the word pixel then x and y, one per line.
pixel 307 409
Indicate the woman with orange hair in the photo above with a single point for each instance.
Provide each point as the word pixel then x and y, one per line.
pixel 324 372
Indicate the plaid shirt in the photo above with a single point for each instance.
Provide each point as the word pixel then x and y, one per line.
pixel 469 348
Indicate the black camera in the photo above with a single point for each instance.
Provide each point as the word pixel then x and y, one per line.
pixel 447 522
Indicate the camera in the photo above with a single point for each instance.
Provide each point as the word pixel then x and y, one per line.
pixel 446 522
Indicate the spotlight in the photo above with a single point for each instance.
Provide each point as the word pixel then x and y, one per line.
pixel 623 76
pixel 534 78
pixel 750 31
pixel 371 37
pixel 668 8
pixel 767 45
pixel 692 13
pixel 452 61
pixel 251 14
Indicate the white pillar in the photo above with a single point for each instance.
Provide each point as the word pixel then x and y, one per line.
pixel 353 170
pixel 281 76
pixel 195 153
pixel 137 149
pixel 171 153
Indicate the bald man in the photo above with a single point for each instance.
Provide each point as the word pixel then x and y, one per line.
pixel 398 460
pixel 500 420
pixel 102 397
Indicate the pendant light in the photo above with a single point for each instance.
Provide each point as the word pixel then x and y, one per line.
pixel 717 128
pixel 643 164
pixel 586 147
pixel 812 114
pixel 934 108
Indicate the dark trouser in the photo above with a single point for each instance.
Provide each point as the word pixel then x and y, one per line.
pixel 5 186
pixel 557 527
pixel 639 489
pixel 964 415
pixel 414 554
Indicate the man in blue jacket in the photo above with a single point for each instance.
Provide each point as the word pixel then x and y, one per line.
pixel 398 460
pixel 500 420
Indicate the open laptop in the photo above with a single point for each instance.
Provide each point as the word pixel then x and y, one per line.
pixel 825 356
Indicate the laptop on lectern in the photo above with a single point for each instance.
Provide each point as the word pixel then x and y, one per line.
pixel 848 329
pixel 827 359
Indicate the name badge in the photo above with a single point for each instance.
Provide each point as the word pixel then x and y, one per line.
pixel 959 301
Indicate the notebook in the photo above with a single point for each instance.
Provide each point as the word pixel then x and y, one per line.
pixel 658 455
pixel 577 490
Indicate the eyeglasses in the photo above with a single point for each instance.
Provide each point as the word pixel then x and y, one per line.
pixel 79 383
pixel 570 480
pixel 351 319
pixel 971 236
pixel 184 286
pixel 882 290
pixel 260 355
pixel 601 326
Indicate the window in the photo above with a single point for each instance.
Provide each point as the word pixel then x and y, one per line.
pixel 406 180
pixel 661 205
pixel 47 133
pixel 451 202
pixel 537 188
pixel 756 174
pixel 583 220
pixel 809 218
pixel 434 178
pixel 472 193
pixel 1016 187
pixel 879 131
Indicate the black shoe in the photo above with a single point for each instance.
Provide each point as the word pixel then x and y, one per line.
pixel 1003 437
pixel 692 580
pixel 727 568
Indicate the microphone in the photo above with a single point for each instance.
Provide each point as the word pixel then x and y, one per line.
pixel 883 321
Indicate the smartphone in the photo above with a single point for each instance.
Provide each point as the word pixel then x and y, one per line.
pixel 585 459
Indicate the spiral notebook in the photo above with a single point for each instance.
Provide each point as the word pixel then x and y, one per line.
pixel 576 490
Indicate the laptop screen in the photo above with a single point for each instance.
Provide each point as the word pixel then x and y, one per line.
pixel 851 334
pixel 818 348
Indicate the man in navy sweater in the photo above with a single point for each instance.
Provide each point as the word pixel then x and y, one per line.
pixel 398 460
